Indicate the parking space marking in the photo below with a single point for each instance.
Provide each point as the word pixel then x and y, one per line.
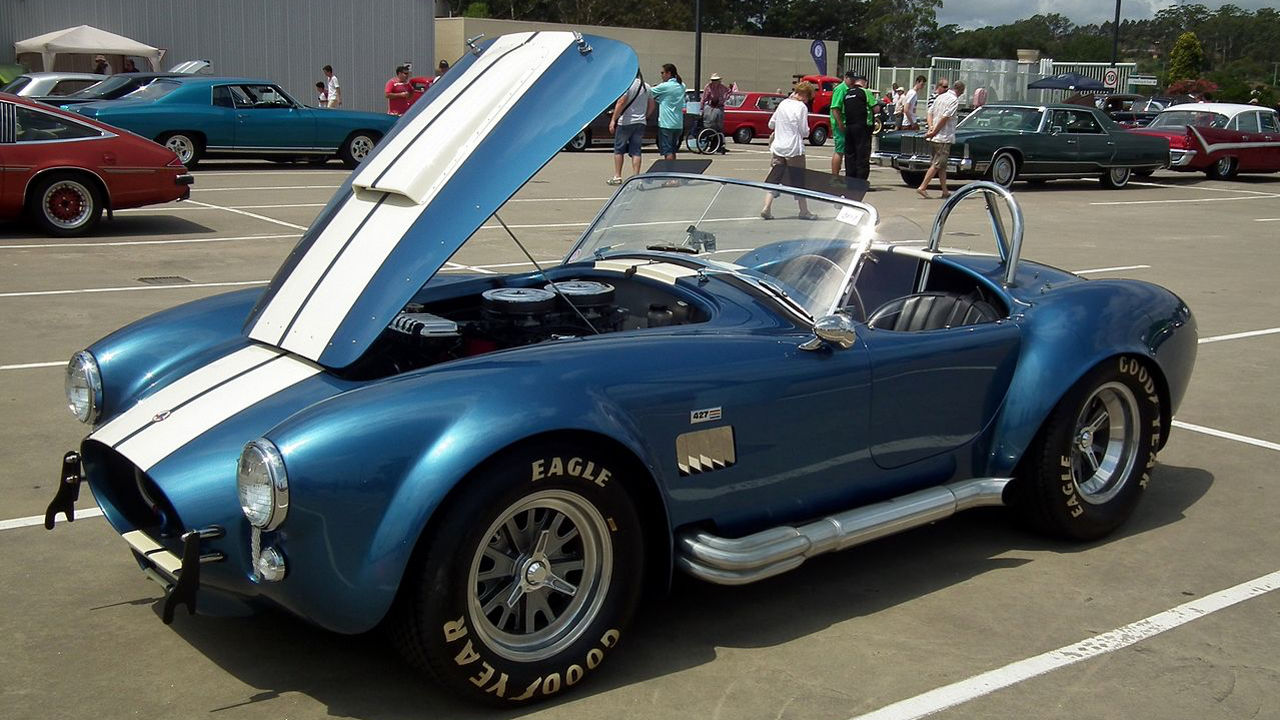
pixel 120 243
pixel 249 214
pixel 1227 435
pixel 1237 336
pixel 1200 187
pixel 29 366
pixel 220 173
pixel 1266 219
pixel 39 519
pixel 35 293
pixel 957 693
pixel 1192 200
pixel 1117 268
pixel 266 187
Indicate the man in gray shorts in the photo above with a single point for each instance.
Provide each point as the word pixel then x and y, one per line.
pixel 630 115
pixel 942 132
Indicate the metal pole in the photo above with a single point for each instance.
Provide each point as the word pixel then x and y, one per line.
pixel 697 45
pixel 1115 38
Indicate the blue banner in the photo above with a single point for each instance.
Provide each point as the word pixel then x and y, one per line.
pixel 818 50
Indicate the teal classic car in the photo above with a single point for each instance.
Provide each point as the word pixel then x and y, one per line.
pixel 1004 142
pixel 200 117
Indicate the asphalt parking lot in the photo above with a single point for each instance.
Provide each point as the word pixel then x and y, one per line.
pixel 970 617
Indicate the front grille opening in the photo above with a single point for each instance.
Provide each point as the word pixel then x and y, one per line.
pixel 132 492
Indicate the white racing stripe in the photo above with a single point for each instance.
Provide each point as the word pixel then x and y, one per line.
pixel 954 694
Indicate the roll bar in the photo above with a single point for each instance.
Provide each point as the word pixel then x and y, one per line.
pixel 1009 246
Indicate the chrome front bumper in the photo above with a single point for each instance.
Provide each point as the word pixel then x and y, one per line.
pixel 921 163
pixel 1181 158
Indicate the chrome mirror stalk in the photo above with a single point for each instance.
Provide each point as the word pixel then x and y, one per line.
pixel 832 330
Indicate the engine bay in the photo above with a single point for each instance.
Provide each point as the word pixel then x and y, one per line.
pixel 501 316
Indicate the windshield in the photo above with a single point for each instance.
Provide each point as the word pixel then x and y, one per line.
pixel 807 249
pixel 18 83
pixel 1182 118
pixel 104 88
pixel 157 89
pixel 996 117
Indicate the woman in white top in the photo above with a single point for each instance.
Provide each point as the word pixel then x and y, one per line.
pixel 790 123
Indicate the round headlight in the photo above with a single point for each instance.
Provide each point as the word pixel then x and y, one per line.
pixel 262 485
pixel 84 387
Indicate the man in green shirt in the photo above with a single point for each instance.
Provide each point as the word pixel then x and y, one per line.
pixel 837 120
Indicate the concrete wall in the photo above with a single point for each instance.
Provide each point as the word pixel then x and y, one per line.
pixel 755 63
pixel 286 41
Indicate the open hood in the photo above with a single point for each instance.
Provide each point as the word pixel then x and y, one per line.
pixel 467 146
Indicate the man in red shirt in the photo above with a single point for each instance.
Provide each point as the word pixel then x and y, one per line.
pixel 398 92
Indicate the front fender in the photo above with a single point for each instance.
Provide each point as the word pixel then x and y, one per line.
pixel 1072 329
pixel 427 432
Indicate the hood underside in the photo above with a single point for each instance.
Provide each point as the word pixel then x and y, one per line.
pixel 466 147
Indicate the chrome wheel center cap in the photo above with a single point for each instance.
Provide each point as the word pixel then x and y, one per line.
pixel 536 573
pixel 1086 440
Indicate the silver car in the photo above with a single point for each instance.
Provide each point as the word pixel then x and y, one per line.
pixel 51 84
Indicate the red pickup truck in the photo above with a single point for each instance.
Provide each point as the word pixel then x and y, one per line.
pixel 826 86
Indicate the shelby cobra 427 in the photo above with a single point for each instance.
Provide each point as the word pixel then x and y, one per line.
pixel 495 467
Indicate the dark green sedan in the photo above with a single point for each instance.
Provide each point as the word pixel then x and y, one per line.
pixel 1004 142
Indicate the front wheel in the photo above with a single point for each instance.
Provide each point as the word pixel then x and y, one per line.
pixel 1085 471
pixel 1116 178
pixel 357 148
pixel 912 177
pixel 528 579
pixel 743 135
pixel 1004 170
pixel 579 142
pixel 818 136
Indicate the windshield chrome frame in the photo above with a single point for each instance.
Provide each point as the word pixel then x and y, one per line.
pixel 860 245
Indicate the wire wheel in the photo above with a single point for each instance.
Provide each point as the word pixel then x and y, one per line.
pixel 1104 446
pixel 67 204
pixel 541 577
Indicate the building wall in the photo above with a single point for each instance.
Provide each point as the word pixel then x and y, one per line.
pixel 286 41
pixel 754 62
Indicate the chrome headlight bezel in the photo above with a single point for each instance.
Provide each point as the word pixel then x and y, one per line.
pixel 83 385
pixel 262 485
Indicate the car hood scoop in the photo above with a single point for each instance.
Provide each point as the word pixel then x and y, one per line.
pixel 466 147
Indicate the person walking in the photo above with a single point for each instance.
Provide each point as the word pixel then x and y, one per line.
pixel 790 125
pixel 942 132
pixel 859 121
pixel 627 123
pixel 909 103
pixel 669 95
pixel 333 90
pixel 398 91
pixel 714 96
pixel 837 121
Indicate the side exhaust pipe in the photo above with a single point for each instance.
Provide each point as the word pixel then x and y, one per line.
pixel 771 552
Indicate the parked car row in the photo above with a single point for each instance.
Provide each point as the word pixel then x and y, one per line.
pixel 1007 142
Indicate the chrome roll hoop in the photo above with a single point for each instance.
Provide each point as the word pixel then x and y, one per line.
pixel 1008 245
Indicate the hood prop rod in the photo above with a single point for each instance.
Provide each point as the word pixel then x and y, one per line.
pixel 543 273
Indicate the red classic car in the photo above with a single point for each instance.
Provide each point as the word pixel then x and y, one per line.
pixel 63 169
pixel 1219 139
pixel 746 115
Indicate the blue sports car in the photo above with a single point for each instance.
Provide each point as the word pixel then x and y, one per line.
pixel 201 116
pixel 495 467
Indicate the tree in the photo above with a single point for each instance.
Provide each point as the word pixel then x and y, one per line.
pixel 1186 59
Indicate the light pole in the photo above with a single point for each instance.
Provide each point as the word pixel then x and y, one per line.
pixel 1115 37
pixel 697 44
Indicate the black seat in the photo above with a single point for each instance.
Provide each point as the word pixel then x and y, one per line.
pixel 932 311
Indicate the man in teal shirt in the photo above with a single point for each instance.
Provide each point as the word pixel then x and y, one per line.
pixel 669 94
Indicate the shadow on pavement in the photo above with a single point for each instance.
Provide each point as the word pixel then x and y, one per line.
pixel 125 225
pixel 363 677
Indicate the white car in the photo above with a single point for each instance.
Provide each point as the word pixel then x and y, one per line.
pixel 51 84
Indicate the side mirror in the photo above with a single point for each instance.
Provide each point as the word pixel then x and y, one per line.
pixel 832 330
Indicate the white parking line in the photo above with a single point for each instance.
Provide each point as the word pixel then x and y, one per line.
pixel 1266 219
pixel 1199 187
pixel 960 692
pixel 129 288
pixel 1237 336
pixel 121 243
pixel 1112 269
pixel 1227 435
pixel 28 366
pixel 212 173
pixel 39 519
pixel 266 187
pixel 252 215
pixel 1192 200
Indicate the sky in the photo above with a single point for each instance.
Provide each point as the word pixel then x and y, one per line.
pixel 979 13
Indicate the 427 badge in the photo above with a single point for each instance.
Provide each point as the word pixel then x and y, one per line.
pixel 704 415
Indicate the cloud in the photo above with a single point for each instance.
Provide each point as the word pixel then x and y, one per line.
pixel 980 13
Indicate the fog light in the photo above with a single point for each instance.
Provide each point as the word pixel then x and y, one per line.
pixel 271 566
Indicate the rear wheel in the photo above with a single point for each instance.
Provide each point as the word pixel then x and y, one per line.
pixel 580 141
pixel 1143 173
pixel 529 579
pixel 743 135
pixel 1115 178
pixel 1004 169
pixel 912 177
pixel 1224 169
pixel 818 136
pixel 357 148
pixel 1083 475
pixel 65 204
pixel 185 145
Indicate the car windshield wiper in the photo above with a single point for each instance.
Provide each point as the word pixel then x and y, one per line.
pixel 667 247
pixel 767 287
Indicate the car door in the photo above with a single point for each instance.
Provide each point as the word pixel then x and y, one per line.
pixel 765 105
pixel 268 121
pixel 1094 148
pixel 1269 125
pixel 1250 159
pixel 10 203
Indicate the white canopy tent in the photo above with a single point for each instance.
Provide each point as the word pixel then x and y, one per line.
pixel 87 40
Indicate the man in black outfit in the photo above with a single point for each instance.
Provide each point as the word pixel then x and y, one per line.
pixel 859 109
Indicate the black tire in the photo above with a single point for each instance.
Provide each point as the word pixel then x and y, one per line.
pixel 818 136
pixel 1003 170
pixel 456 623
pixel 1144 173
pixel 188 146
pixel 580 142
pixel 357 147
pixel 743 135
pixel 1224 169
pixel 1118 401
pixel 319 159
pixel 1116 178
pixel 65 204
pixel 912 177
